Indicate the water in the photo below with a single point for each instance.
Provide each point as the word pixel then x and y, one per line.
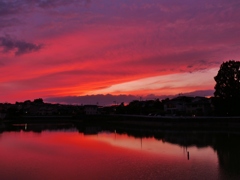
pixel 67 153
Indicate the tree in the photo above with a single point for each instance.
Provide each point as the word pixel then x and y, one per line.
pixel 227 88
pixel 38 101
pixel 228 80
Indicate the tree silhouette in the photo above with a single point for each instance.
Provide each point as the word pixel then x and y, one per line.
pixel 38 101
pixel 227 88
pixel 228 80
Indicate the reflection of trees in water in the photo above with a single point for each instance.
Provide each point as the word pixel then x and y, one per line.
pixel 228 149
pixel 225 144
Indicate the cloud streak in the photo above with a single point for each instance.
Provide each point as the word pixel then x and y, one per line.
pixel 14 7
pixel 163 84
pixel 7 8
pixel 19 47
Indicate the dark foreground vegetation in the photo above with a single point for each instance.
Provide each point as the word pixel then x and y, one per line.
pixel 179 106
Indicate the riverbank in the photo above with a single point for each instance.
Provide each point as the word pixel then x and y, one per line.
pixel 167 123
pixel 136 121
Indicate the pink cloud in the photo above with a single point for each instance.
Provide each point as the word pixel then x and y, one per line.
pixel 104 44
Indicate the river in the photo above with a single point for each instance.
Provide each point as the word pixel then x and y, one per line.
pixel 66 152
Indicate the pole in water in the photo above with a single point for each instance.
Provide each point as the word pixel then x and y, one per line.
pixel 188 155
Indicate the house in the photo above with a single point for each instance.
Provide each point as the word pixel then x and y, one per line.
pixel 189 106
pixel 90 109
pixel 200 106
pixel 177 106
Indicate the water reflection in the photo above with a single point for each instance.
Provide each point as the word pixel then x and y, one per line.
pixel 187 154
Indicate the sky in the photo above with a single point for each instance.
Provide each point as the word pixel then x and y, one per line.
pixel 65 51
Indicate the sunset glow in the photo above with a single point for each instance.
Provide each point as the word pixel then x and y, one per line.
pixel 68 48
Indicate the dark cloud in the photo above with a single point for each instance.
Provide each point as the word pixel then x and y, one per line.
pixel 109 99
pixel 200 93
pixel 178 59
pixel 55 3
pixel 200 65
pixel 14 7
pixel 20 47
pixel 7 8
pixel 93 99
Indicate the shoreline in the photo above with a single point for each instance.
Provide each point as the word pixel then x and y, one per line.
pixel 137 122
pixel 125 117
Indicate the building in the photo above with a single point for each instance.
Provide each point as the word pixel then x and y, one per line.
pixel 188 106
pixel 90 109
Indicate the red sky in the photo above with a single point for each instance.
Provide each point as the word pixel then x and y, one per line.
pixel 68 48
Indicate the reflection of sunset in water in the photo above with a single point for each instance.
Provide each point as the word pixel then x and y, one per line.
pixel 151 145
pixel 72 155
